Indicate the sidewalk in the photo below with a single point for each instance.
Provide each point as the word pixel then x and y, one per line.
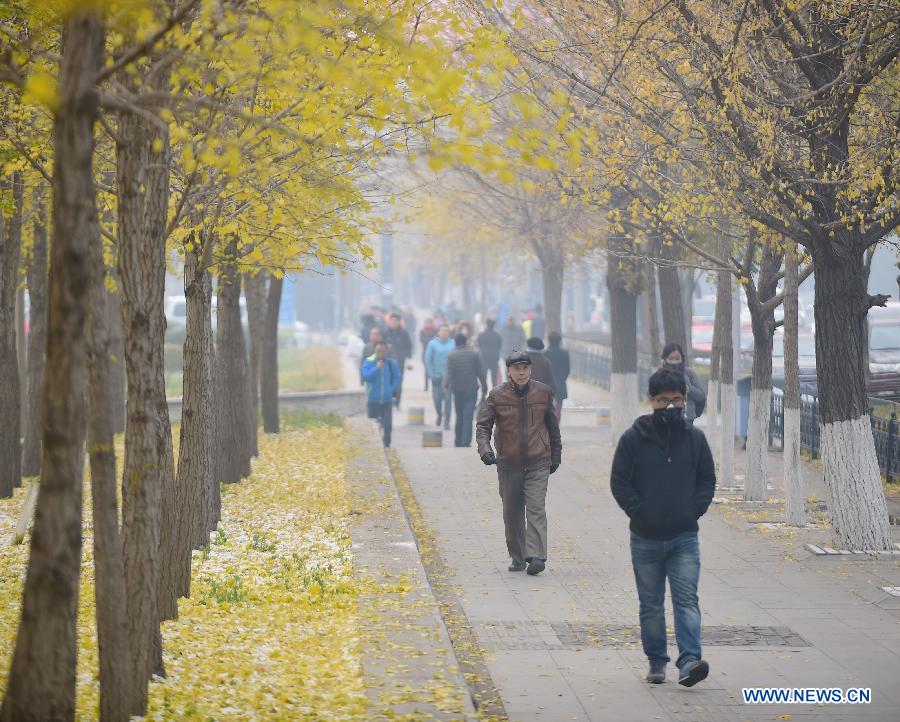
pixel 565 645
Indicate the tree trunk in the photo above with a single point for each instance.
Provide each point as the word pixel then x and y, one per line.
pixel 763 322
pixel 622 281
pixel 794 504
pixel 553 268
pixel 721 328
pixel 255 293
pixel 232 375
pixel 41 682
pixel 467 292
pixel 858 510
pixel 117 382
pixel 37 338
pixel 715 365
pixel 269 360
pixel 21 355
pixel 726 377
pixel 653 313
pixel 670 297
pixel 148 492
pixel 195 476
pixel 10 390
pixel 109 564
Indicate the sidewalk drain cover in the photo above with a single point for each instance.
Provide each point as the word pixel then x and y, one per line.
pixel 567 635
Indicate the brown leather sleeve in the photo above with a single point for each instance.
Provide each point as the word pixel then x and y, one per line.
pixel 484 427
pixel 553 429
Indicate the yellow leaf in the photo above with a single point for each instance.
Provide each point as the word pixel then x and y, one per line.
pixel 41 88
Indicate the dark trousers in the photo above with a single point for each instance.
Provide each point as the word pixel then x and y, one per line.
pixel 464 403
pixel 384 413
pixel 493 370
pixel 399 390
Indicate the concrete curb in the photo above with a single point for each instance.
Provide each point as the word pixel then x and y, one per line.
pixel 409 666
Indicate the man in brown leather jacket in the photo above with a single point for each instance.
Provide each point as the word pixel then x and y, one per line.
pixel 520 415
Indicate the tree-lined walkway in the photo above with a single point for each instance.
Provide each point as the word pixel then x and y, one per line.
pixel 565 645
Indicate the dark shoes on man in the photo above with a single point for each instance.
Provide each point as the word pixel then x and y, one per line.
pixel 696 670
pixel 692 672
pixel 657 673
pixel 533 566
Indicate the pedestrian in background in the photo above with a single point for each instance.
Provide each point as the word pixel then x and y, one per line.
pixel 541 369
pixel 559 363
pixel 376 336
pixel 427 332
pixel 401 347
pixel 462 378
pixel 519 414
pixel 436 354
pixel 538 323
pixel 513 336
pixel 673 359
pixel 663 478
pixel 382 376
pixel 489 343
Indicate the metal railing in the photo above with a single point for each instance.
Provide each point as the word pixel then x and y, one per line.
pixel 884 431
pixel 591 361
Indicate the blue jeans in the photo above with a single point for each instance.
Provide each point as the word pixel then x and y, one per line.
pixel 679 560
pixel 441 400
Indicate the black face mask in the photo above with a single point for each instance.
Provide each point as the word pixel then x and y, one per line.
pixel 671 416
pixel 675 366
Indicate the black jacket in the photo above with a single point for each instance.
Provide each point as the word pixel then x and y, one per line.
pixel 541 370
pixel 664 480
pixel 464 371
pixel 489 343
pixel 559 362
pixel 400 342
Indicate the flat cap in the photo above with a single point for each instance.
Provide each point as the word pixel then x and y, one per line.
pixel 518 357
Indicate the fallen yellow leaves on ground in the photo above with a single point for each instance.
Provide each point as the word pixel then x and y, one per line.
pixel 271 629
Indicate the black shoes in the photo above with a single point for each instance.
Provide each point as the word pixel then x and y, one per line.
pixel 535 566
pixel 692 672
pixel 657 673
pixel 438 423
pixel 516 566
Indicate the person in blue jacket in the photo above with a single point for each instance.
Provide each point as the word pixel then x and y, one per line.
pixel 436 354
pixel 382 376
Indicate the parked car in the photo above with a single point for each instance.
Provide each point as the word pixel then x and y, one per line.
pixel 806 351
pixel 884 346
pixel 701 338
pixel 176 310
pixel 704 310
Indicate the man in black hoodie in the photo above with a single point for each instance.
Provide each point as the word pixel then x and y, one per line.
pixel 664 478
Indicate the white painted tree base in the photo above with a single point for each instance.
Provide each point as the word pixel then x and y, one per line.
pixel 712 417
pixel 757 472
pixel 794 501
pixel 726 437
pixel 623 403
pixel 859 514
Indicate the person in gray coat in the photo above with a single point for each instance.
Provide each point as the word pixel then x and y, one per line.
pixel 512 335
pixel 695 401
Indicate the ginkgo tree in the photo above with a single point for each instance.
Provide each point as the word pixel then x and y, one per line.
pixel 240 134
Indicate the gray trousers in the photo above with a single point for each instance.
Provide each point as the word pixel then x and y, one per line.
pixel 524 491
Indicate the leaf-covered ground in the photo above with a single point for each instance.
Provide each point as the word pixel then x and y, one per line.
pixel 271 628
